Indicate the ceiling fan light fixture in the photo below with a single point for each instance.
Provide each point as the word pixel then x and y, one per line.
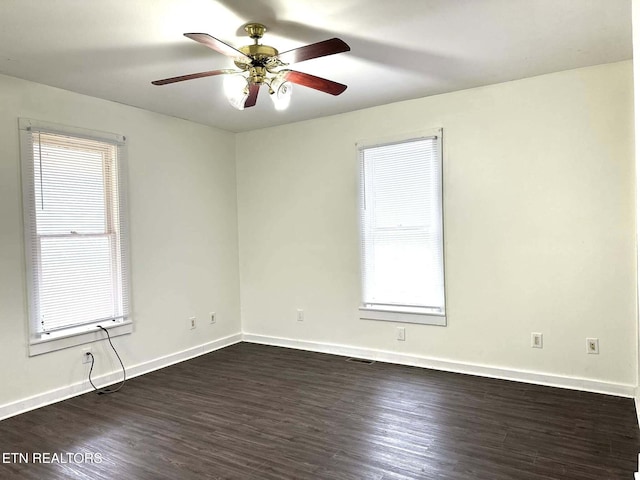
pixel 236 89
pixel 281 94
pixel 282 97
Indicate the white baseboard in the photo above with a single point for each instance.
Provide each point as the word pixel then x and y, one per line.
pixel 573 383
pixel 53 396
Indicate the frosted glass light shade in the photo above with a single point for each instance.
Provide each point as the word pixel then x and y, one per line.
pixel 281 95
pixel 236 90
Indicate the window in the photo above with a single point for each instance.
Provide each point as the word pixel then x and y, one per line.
pixel 401 230
pixel 75 234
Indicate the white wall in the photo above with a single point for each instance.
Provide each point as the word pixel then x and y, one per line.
pixel 636 84
pixel 539 205
pixel 184 246
pixel 539 226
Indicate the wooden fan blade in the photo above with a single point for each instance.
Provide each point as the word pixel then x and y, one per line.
pixel 315 50
pixel 318 83
pixel 182 78
pixel 218 46
pixel 253 95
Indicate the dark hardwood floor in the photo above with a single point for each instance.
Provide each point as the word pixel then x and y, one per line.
pixel 255 412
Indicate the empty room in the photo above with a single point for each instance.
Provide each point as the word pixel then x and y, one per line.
pixel 279 239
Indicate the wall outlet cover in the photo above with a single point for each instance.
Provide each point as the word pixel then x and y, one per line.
pixel 593 346
pixel 536 340
pixel 85 357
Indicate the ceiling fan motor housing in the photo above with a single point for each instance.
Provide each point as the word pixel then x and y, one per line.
pixel 260 55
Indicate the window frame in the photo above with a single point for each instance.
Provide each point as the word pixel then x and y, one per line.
pixel 43 342
pixel 393 313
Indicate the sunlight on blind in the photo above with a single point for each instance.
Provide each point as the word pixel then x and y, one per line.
pixel 76 281
pixel 76 231
pixel 401 223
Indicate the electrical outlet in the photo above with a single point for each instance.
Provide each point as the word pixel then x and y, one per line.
pixel 300 315
pixel 593 346
pixel 86 358
pixel 192 323
pixel 212 317
pixel 401 334
pixel 536 340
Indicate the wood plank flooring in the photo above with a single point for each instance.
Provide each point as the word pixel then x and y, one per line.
pixel 254 412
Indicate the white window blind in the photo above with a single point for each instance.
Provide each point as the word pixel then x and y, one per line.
pixel 401 226
pixel 75 221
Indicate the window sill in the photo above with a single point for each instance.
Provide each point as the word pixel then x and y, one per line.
pixel 76 336
pixel 404 316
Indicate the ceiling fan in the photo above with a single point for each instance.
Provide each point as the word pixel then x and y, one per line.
pixel 262 65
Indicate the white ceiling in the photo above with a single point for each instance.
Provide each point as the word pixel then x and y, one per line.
pixel 400 49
